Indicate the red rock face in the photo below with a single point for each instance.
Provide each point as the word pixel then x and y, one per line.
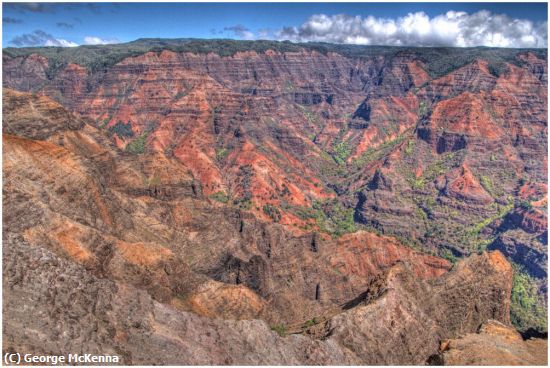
pixel 194 115
pixel 258 130
pixel 465 114
pixel 474 77
pixel 275 115
pixel 389 118
pixel 465 186
pixel 361 254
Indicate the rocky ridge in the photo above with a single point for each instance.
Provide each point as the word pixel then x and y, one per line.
pixel 494 344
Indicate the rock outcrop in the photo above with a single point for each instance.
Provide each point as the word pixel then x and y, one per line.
pixel 68 309
pixel 494 344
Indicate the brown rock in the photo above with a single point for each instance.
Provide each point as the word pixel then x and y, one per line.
pixel 496 344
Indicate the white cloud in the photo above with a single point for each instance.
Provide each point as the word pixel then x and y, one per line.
pixel 60 42
pixel 40 38
pixel 418 29
pixel 92 40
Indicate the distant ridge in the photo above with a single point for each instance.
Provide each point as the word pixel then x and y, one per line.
pixel 439 60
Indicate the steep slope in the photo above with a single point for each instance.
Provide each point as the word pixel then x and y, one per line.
pixel 118 253
pixel 281 133
pixel 68 309
pixel 144 220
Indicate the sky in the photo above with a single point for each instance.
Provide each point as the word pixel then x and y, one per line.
pixel 402 24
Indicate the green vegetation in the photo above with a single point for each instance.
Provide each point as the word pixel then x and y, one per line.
pixel 471 237
pixel 502 211
pixel 487 184
pixel 422 109
pixel 416 182
pixel 289 87
pixel 310 117
pixel 376 153
pixel 180 95
pixel 526 205
pixel 303 213
pixel 527 306
pixel 497 68
pixel 410 147
pixel 333 218
pixel 138 145
pixel 446 162
pixel 307 114
pixel 103 123
pixel 220 196
pixel 433 170
pixel 221 153
pixel 342 151
pixel 280 329
pixel 243 203
pixel 330 168
pixel 420 213
pixel 122 130
pixel 449 256
pixel 244 178
pixel 483 244
pixel 311 322
pixel 272 212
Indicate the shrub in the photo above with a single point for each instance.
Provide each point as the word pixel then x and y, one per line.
pixel 449 256
pixel 122 130
pixel 527 309
pixel 220 196
pixel 373 154
pixel 103 123
pixel 138 145
pixel 333 218
pixel 526 205
pixel 410 147
pixel 311 322
pixel 243 203
pixel 422 109
pixel 280 329
pixel 304 213
pixel 342 151
pixel 422 214
pixel 221 153
pixel 272 212
pixel 417 183
pixel 487 184
pixel 180 94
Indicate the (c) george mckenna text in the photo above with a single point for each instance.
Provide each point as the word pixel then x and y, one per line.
pixel 17 358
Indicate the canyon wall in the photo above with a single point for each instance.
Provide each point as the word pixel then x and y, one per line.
pixel 269 207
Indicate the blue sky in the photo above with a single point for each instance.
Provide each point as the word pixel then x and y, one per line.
pixel 423 24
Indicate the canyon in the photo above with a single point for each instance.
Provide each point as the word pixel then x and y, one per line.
pixel 209 202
